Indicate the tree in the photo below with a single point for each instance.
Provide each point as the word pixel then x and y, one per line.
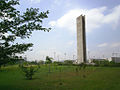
pixel 14 25
pixel 48 60
pixel 68 62
pixel 41 62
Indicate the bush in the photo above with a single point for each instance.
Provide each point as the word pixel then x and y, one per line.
pixel 29 71
pixel 68 62
pixel 106 63
pixel 82 66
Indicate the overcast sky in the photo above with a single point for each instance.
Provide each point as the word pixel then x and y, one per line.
pixel 102 28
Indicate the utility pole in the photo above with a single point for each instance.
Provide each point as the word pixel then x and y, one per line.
pixel 103 56
pixel 73 56
pixel 65 55
pixel 58 58
pixel 54 55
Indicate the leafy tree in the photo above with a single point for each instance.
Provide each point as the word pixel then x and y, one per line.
pixel 48 60
pixel 68 62
pixel 41 62
pixel 34 62
pixel 16 60
pixel 14 24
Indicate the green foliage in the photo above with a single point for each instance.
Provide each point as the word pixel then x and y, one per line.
pixel 15 60
pixel 97 78
pixel 48 60
pixel 41 62
pixel 34 62
pixel 29 71
pixel 57 63
pixel 68 62
pixel 106 63
pixel 14 24
pixel 83 65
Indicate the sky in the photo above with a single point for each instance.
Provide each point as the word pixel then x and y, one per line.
pixel 102 28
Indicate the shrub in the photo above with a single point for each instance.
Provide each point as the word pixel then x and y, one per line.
pixel 68 62
pixel 82 65
pixel 106 63
pixel 29 71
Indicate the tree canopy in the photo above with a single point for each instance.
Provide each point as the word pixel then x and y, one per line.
pixel 48 60
pixel 14 24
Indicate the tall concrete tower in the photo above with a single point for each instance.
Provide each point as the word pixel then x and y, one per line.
pixel 81 40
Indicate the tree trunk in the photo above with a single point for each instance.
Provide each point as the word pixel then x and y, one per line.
pixel 49 68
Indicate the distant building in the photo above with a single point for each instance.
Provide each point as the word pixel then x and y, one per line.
pixel 75 62
pixel 90 60
pixel 114 59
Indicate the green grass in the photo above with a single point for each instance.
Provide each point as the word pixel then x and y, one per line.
pixel 92 78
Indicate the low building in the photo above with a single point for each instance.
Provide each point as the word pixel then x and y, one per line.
pixel 114 59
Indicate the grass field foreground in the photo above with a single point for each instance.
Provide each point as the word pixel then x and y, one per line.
pixel 61 78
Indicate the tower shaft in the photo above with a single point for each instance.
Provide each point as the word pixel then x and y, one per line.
pixel 81 40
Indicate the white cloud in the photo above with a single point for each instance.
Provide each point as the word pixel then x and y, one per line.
pixel 57 2
pixel 103 45
pixel 117 44
pixel 35 1
pixel 111 45
pixel 113 16
pixel 52 23
pixel 95 18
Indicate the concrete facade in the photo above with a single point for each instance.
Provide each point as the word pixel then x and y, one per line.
pixel 81 39
pixel 114 59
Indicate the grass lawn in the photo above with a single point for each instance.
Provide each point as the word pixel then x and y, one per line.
pixel 61 78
